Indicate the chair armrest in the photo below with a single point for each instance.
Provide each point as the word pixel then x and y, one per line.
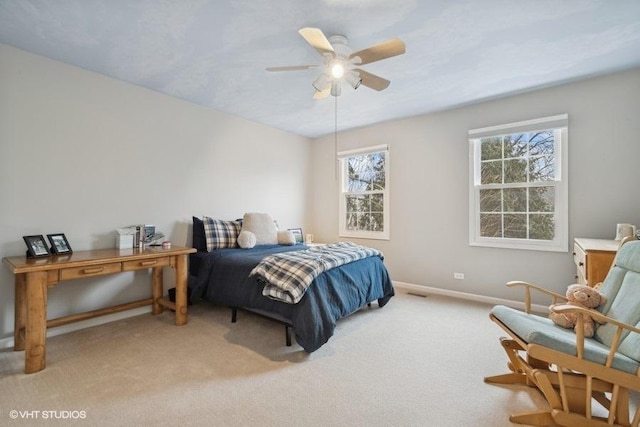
pixel 600 318
pixel 555 297
pixel 596 315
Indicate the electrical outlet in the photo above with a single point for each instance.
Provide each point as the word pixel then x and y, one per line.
pixel 459 276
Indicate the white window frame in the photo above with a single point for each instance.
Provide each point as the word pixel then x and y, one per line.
pixel 361 234
pixel 561 186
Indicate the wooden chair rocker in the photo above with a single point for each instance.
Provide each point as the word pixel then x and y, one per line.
pixel 573 371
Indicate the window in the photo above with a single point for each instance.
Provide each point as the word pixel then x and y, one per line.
pixel 364 193
pixel 518 185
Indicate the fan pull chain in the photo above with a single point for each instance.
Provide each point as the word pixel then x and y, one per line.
pixel 335 138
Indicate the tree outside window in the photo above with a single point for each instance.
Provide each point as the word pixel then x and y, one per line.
pixel 511 210
pixel 364 194
pixel 518 187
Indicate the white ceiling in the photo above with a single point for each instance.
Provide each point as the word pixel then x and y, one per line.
pixel 214 52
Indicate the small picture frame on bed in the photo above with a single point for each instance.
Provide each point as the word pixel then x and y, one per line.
pixel 297 233
pixel 36 246
pixel 59 244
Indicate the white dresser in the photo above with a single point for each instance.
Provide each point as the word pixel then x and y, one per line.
pixel 593 258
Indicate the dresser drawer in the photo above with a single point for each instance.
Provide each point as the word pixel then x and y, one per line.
pixel 145 263
pixel 88 271
pixel 580 259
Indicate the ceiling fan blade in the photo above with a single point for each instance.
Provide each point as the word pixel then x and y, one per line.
pixel 322 94
pixel 373 81
pixel 316 38
pixel 384 50
pixel 292 68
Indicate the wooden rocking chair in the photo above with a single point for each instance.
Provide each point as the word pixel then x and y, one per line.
pixel 573 371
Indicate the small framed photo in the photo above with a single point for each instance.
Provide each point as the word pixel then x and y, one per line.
pixel 297 233
pixel 36 246
pixel 59 244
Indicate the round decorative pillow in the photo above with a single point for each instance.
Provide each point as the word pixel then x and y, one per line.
pixel 246 239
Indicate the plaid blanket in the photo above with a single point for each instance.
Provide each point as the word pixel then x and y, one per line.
pixel 287 276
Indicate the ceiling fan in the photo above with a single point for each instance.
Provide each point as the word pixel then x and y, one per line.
pixel 340 63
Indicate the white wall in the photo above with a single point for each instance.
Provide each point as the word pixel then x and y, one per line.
pixel 429 185
pixel 83 154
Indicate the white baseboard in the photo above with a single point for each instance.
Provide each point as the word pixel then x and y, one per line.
pixel 425 290
pixel 76 326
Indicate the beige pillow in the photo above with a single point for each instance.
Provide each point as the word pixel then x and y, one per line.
pixel 262 226
pixel 286 237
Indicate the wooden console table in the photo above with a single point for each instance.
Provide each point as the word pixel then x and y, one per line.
pixel 33 276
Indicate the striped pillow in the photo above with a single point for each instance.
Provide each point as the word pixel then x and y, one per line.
pixel 220 234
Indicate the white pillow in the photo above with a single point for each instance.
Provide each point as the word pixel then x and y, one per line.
pixel 286 237
pixel 262 225
pixel 246 239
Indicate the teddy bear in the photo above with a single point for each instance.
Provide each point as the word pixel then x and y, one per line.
pixel 580 296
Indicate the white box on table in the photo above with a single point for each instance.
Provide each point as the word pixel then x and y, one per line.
pixel 124 241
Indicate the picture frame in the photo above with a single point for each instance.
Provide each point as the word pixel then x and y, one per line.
pixel 297 233
pixel 59 244
pixel 36 246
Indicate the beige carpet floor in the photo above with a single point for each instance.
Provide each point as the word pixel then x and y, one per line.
pixel 415 362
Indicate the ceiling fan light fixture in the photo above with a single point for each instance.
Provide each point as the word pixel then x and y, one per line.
pixel 337 69
pixel 321 83
pixel 353 79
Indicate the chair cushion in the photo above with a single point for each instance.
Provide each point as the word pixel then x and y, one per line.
pixel 534 329
pixel 627 257
pixel 622 289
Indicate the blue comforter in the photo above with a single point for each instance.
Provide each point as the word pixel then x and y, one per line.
pixel 223 278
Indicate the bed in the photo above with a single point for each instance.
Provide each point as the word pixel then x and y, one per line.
pixel 222 276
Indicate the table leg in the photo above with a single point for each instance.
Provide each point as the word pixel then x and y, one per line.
pixel 181 289
pixel 156 289
pixel 20 312
pixel 36 322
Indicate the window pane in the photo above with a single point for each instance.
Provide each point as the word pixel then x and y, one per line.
pixel 491 225
pixel 541 227
pixel 377 182
pixel 376 171
pixel 491 172
pixel 515 145
pixel 377 202
pixel 542 143
pixel 364 222
pixel 352 221
pixel 490 200
pixel 515 199
pixel 366 172
pixel 541 199
pixel 491 148
pixel 376 222
pixel 515 170
pixel 542 168
pixel 354 203
pixel 515 226
pixel 355 182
